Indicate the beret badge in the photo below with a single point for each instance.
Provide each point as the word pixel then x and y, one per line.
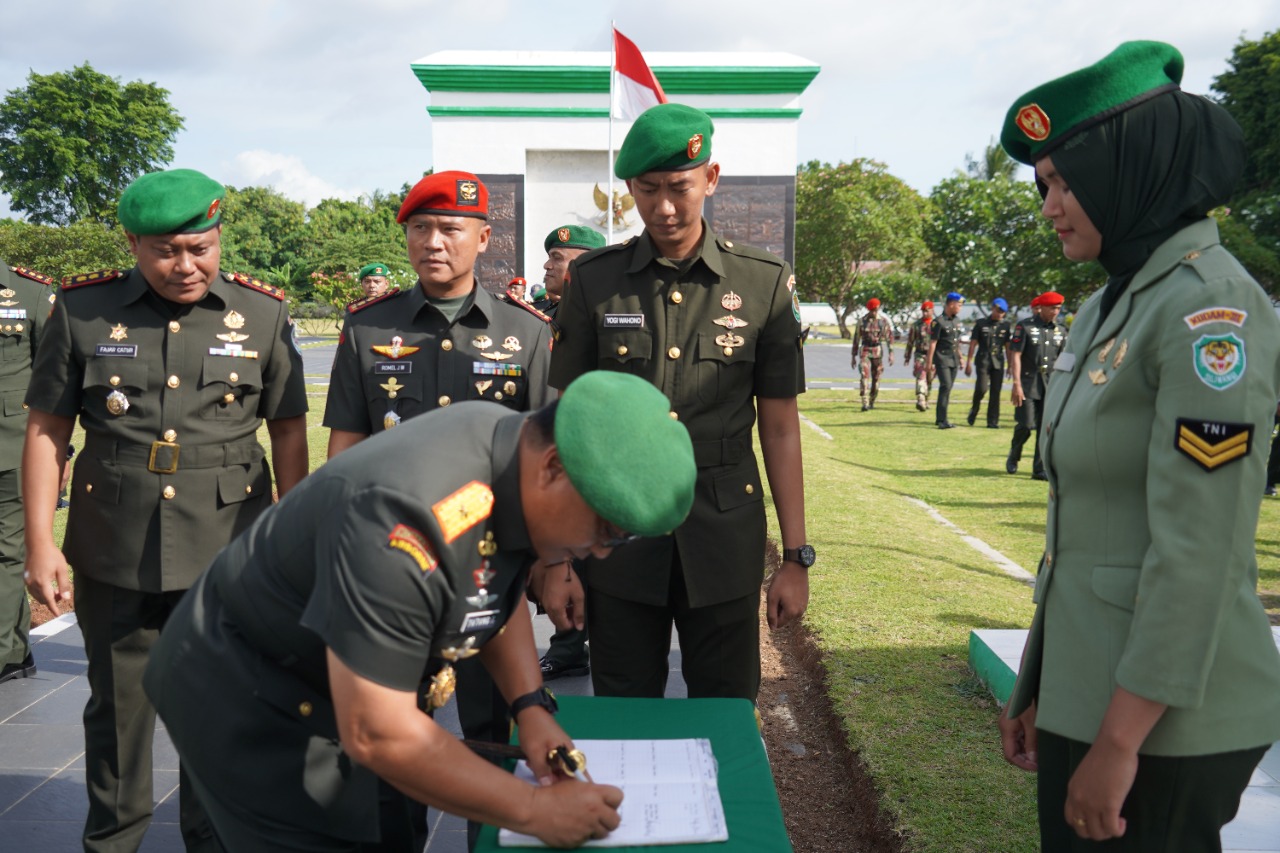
pixel 695 146
pixel 468 193
pixel 563 235
pixel 1034 122
pixel 213 208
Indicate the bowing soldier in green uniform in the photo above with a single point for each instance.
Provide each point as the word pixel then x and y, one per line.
pixel 171 367
pixel 1150 686
pixel 563 245
pixel 916 353
pixel 944 354
pixel 990 338
pixel 24 306
pixel 289 682
pixel 872 340
pixel 1033 348
pixel 716 326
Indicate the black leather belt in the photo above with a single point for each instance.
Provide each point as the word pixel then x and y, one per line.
pixel 726 451
pixel 161 457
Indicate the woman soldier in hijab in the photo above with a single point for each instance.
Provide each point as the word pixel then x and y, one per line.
pixel 1150 684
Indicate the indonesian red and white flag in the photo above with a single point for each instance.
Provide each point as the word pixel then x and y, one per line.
pixel 637 88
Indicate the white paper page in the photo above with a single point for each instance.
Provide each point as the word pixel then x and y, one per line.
pixel 670 787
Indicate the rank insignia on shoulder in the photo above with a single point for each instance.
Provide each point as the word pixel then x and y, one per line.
pixel 253 284
pixel 415 544
pixel 463 509
pixel 1212 444
pixel 361 304
pixel 86 279
pixel 33 275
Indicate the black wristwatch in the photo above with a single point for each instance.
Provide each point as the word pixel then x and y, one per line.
pixel 542 697
pixel 804 555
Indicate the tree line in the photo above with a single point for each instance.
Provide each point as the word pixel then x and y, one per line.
pixel 70 142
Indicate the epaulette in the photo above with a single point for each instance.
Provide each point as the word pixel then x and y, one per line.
pixel 253 284
pixel 85 279
pixel 41 278
pixel 520 303
pixel 361 304
pixel 604 251
pixel 742 250
pixel 1212 265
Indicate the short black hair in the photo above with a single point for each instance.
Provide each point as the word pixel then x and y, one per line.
pixel 543 422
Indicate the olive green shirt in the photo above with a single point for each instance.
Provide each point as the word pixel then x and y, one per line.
pixel 25 302
pixel 399 356
pixel 713 338
pixel 1156 433
pixel 376 556
pixel 170 397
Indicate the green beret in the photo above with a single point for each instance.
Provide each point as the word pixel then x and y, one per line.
pixel 573 237
pixel 1134 72
pixel 665 138
pixel 372 269
pixel 624 453
pixel 174 202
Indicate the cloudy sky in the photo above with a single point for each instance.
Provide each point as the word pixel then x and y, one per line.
pixel 317 98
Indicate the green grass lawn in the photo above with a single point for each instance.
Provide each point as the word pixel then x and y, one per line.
pixel 895 594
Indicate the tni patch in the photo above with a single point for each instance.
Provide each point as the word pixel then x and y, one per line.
pixel 1212 444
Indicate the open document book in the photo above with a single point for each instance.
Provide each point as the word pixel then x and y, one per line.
pixel 670 787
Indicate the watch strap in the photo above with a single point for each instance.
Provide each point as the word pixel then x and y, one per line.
pixel 542 697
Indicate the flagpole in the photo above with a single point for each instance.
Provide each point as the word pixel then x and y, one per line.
pixel 613 61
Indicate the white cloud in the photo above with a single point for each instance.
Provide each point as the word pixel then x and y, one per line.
pixel 287 174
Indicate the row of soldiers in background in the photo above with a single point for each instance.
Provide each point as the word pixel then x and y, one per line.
pixel 933 349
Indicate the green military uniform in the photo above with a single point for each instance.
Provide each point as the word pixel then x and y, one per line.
pixel 917 354
pixel 871 340
pixel 383 503
pixel 170 397
pixel 946 331
pixel 989 367
pixel 1155 446
pixel 24 306
pixel 400 356
pixel 401 562
pixel 1039 341
pixel 713 333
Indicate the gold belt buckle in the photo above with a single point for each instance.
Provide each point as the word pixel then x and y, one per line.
pixel 173 464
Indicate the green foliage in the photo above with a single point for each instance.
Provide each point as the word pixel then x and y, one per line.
pixel 82 247
pixel 1250 90
pixel 988 239
pixel 1258 255
pixel 262 235
pixel 995 163
pixel 332 292
pixel 852 218
pixel 71 141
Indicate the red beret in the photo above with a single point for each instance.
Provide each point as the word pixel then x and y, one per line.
pixel 1035 301
pixel 926 305
pixel 1051 297
pixel 447 194
pixel 873 304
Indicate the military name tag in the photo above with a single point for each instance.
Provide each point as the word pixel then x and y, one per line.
pixel 393 367
pixel 624 321
pixel 1065 361
pixel 479 620
pixel 116 350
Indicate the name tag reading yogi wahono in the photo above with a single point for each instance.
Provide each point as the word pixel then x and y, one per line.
pixel 624 321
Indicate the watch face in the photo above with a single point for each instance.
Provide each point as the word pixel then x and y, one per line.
pixel 807 555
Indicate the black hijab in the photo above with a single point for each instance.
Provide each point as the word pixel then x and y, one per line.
pixel 1149 172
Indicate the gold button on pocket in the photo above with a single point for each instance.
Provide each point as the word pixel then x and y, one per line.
pixel 675 416
pixel 673 353
pixel 169 493
pixel 446 345
pixel 114 380
pixel 305 709
pixel 728 350
pixel 444 400
pixel 248 490
pixel 750 489
pixel 88 487
pixel 173 382
pixel 229 398
pixel 622 349
pixel 677 297
pixel 234 377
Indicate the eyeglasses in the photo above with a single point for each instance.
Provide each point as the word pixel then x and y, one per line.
pixel 610 536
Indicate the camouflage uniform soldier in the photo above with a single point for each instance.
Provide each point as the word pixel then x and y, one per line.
pixel 873 338
pixel 917 352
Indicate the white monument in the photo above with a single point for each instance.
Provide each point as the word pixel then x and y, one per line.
pixel 534 125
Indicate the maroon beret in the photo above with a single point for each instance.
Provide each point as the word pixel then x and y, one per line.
pixel 447 194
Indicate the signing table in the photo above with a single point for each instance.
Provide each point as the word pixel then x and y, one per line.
pixel 751 808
